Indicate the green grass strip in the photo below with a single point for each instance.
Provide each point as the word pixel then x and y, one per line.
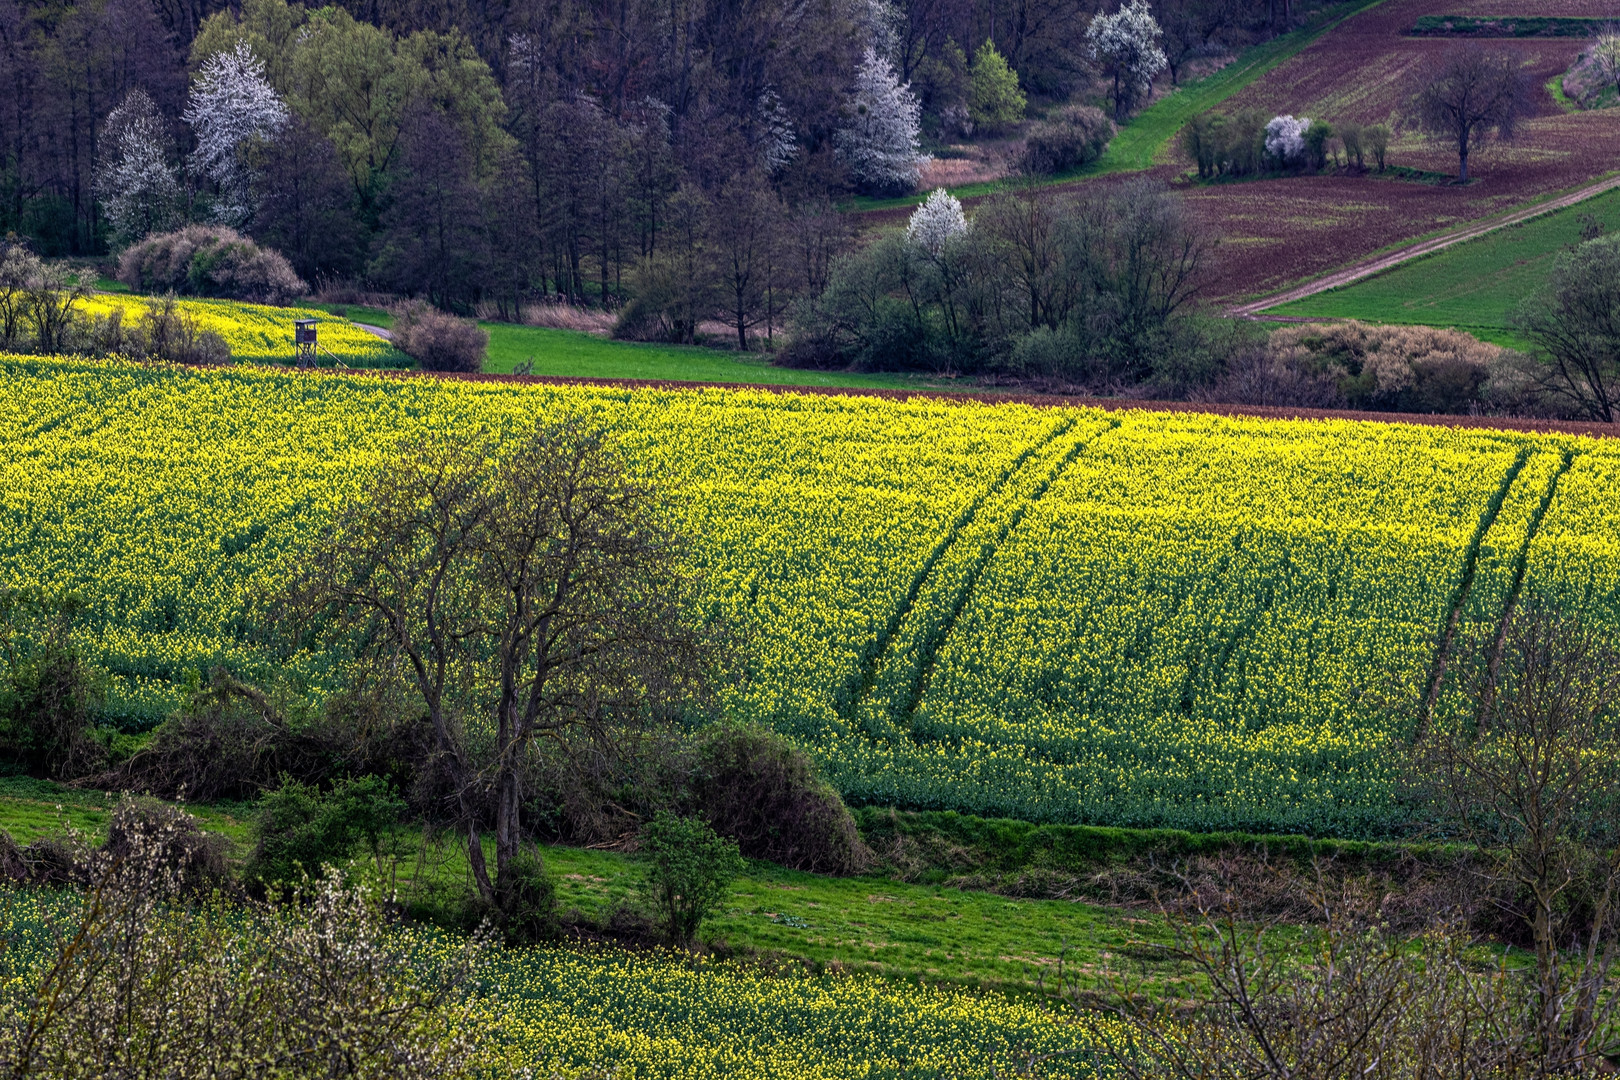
pixel 571 354
pixel 1473 285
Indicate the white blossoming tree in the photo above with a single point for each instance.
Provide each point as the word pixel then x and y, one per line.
pixel 937 222
pixel 879 141
pixel 1285 138
pixel 136 183
pixel 1126 45
pixel 231 105
pixel 778 143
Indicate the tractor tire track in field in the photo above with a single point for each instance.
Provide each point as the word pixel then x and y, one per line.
pixel 1378 264
pixel 1442 651
pixel 860 683
pixel 1521 564
pixel 927 641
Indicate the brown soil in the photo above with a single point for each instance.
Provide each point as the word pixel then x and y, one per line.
pixel 1279 232
pixel 1276 232
pixel 1378 264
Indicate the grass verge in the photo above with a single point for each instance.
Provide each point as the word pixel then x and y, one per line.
pixel 861 924
pixel 572 354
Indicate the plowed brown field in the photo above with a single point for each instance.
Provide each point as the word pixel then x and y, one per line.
pixel 1275 232
pixel 1279 232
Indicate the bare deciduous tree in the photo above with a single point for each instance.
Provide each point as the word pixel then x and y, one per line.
pixel 530 590
pixel 1468 94
pixel 1342 1000
pixel 1574 321
pixel 1535 783
pixel 745 234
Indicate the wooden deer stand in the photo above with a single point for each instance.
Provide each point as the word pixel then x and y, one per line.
pixel 304 341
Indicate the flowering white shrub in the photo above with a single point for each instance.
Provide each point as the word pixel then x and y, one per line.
pixel 1285 137
pixel 880 140
pixel 1127 44
pixel 937 222
pixel 231 104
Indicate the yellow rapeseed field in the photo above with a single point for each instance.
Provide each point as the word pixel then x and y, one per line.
pixel 1058 614
pixel 260 334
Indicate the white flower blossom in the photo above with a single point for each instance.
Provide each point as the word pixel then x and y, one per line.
pixel 230 105
pixel 137 185
pixel 1285 137
pixel 880 139
pixel 1128 42
pixel 779 144
pixel 937 222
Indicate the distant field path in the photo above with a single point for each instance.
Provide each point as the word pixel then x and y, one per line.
pixel 1378 264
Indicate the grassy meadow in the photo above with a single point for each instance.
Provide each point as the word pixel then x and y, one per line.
pixel 1472 286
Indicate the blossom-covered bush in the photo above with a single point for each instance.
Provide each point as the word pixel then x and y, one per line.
pixel 1285 138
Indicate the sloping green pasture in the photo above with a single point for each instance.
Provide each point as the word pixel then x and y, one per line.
pixel 1472 286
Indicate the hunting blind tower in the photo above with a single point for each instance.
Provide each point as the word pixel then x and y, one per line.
pixel 304 341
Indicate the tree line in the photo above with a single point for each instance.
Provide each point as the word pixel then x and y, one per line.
pixel 472 153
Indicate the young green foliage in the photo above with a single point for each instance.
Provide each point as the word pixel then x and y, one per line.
pixel 994 98
pixel 689 869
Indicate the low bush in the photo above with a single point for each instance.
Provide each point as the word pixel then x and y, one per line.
pixel 689 869
pixel 165 332
pixel 175 843
pixel 1071 137
pixel 229 741
pixel 756 787
pixel 437 340
pixel 301 829
pixel 209 260
pixel 1359 365
pixel 527 900
pixel 1395 368
pixel 135 982
pixel 49 693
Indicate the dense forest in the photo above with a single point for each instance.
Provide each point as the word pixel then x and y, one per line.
pixel 486 151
